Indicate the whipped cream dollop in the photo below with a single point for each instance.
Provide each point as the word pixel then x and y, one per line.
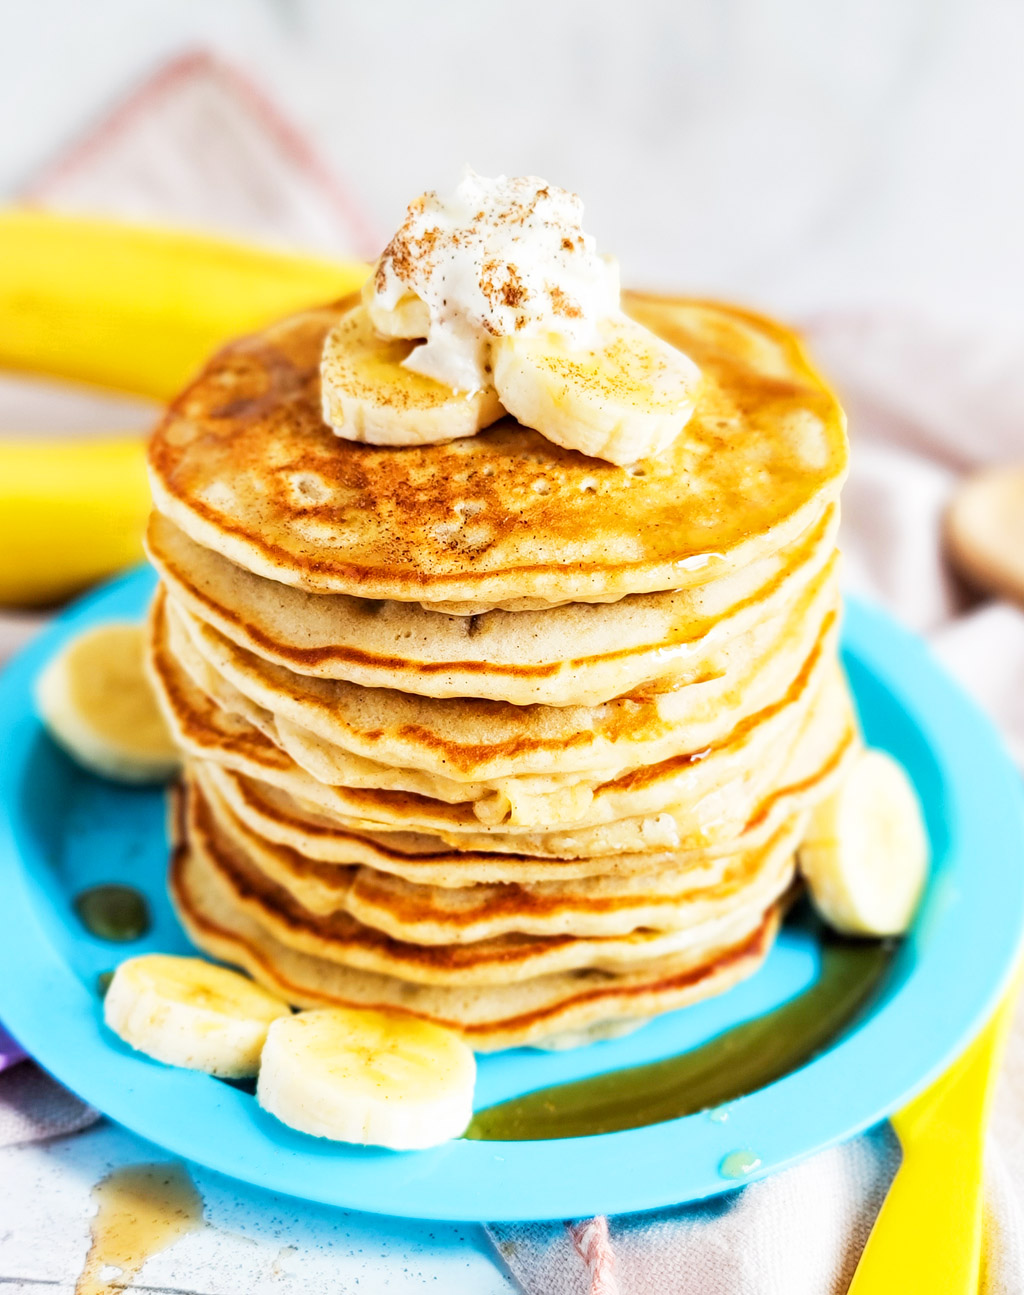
pixel 498 257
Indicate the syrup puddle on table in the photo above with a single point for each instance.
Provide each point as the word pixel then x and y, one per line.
pixel 140 1210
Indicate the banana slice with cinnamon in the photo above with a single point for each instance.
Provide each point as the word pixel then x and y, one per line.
pixel 97 703
pixel 370 395
pixel 189 1012
pixel 626 398
pixel 358 1075
pixel 409 317
pixel 865 855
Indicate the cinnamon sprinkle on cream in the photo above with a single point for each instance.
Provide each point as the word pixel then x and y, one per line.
pixel 499 256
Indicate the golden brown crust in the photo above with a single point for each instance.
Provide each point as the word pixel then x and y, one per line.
pixel 571 1001
pixel 244 464
pixel 504 959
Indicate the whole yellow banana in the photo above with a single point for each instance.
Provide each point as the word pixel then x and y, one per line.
pixel 130 308
pixel 139 309
pixel 71 512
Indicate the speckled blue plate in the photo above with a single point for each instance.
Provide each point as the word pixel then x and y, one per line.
pixel 62 830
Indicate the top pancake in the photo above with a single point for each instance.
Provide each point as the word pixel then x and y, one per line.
pixel 244 464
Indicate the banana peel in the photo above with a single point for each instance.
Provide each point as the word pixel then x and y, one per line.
pixel 135 310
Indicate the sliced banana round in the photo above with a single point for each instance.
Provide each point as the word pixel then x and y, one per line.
pixel 191 1013
pixel 368 394
pixel 409 317
pixel 96 701
pixel 377 1078
pixel 865 856
pixel 624 400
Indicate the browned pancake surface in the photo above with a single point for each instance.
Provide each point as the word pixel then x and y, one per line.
pixel 244 463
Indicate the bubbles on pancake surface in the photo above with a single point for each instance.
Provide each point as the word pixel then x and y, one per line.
pixel 470 507
pixel 309 488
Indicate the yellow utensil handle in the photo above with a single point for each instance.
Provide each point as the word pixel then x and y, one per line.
pixel 927 1237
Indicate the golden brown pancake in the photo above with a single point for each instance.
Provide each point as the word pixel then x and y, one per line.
pixel 493 1017
pixel 579 654
pixel 503 960
pixel 428 860
pixel 492 732
pixel 244 464
pixel 469 740
pixel 712 792
pixel 667 899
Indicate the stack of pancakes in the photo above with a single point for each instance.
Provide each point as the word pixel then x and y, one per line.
pixel 490 731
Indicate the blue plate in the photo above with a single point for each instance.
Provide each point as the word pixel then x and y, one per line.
pixel 62 829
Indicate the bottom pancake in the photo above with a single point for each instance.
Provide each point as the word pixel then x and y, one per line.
pixel 554 1010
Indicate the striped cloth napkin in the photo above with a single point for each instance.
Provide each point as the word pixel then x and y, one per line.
pixel 32 1105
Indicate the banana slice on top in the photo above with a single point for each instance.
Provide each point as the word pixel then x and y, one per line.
pixel 409 317
pixel 865 856
pixel 96 701
pixel 626 399
pixel 191 1013
pixel 377 1078
pixel 369 395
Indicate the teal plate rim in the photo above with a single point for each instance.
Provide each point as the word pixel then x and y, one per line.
pixel 943 983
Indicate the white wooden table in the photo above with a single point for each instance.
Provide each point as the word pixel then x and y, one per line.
pixel 251 1243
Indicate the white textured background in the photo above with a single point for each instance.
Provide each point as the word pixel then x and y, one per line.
pixel 794 153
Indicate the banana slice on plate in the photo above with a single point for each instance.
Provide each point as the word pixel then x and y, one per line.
pixel 626 399
pixel 865 855
pixel 96 701
pixel 191 1013
pixel 369 395
pixel 377 1078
